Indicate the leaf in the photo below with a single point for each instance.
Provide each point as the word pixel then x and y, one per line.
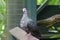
pixel 54 36
pixel 58 28
pixel 50 2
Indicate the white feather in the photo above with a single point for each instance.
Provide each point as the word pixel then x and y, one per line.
pixel 25 19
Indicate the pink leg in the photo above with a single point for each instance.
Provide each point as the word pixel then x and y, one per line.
pixel 28 34
pixel 30 37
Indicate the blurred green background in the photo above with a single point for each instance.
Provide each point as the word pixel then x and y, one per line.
pixel 3 14
pixel 50 2
pixel 2 18
pixel 55 3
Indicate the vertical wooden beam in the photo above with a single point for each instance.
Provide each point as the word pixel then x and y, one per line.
pixel 14 13
pixel 31 6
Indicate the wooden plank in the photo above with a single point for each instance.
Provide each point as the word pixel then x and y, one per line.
pixel 21 34
pixel 18 33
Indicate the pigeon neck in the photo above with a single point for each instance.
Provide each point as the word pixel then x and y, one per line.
pixel 25 13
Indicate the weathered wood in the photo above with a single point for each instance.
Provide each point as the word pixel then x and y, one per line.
pixel 21 34
pixel 49 21
pixel 14 13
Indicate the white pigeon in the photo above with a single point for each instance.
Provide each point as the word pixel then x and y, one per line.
pixel 25 19
pixel 27 24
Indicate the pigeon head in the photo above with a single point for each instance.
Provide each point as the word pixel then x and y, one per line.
pixel 24 10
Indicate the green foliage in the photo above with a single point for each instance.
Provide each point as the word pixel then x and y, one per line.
pixel 55 36
pixel 50 2
pixel 52 27
pixel 54 2
pixel 2 17
pixel 58 28
pixel 39 2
